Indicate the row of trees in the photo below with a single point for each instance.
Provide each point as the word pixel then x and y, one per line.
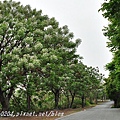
pixel 38 62
pixel 111 11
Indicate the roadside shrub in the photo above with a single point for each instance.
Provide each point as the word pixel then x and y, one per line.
pixel 76 103
pixel 87 103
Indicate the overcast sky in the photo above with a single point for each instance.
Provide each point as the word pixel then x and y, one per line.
pixel 85 22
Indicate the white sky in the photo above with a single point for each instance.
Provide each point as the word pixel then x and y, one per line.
pixel 85 22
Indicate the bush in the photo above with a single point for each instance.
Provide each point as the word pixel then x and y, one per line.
pixel 87 103
pixel 76 103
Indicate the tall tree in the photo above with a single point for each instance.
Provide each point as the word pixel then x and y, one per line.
pixel 32 46
pixel 111 11
pixel 21 36
pixel 60 52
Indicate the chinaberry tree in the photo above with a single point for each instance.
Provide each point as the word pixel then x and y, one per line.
pixel 60 52
pixel 19 30
pixel 33 52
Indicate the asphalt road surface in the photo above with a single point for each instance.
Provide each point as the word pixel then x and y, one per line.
pixel 100 112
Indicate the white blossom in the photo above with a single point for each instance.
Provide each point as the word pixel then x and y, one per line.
pixel 36 62
pixel 28 40
pixel 45 55
pixel 43 69
pixel 38 46
pixel 45 50
pixel 47 37
pixel 30 65
pixel 16 50
pixel 53 57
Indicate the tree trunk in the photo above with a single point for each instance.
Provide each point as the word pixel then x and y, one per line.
pixel 117 103
pixel 91 100
pixel 56 93
pixel 96 98
pixel 68 100
pixel 83 104
pixel 5 105
pixel 84 101
pixel 4 101
pixel 28 97
pixel 73 96
pixel 28 102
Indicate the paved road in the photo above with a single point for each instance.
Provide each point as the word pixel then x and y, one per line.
pixel 100 112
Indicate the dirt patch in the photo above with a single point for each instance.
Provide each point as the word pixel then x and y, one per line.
pixel 54 114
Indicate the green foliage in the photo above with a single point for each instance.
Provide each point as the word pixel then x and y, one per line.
pixel 111 11
pixel 38 61
pixel 77 103
pixel 87 103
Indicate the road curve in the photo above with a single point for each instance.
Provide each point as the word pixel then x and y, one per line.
pixel 100 112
